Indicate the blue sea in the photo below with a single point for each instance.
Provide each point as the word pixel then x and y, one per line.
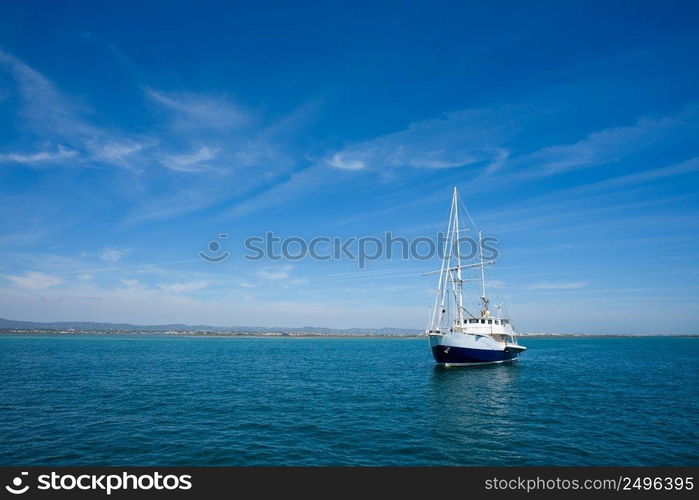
pixel 177 401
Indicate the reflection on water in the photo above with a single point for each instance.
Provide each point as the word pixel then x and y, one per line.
pixel 474 405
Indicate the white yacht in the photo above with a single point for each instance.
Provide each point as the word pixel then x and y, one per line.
pixel 458 337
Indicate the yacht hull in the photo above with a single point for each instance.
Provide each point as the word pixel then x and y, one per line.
pixel 469 350
pixel 460 356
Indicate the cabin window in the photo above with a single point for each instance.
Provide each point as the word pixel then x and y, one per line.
pixel 473 320
pixel 483 321
pixel 497 321
pixel 490 321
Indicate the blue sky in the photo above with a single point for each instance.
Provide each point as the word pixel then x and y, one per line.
pixel 132 134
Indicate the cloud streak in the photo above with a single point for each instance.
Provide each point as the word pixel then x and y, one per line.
pixel 54 117
pixel 60 154
pixel 479 142
pixel 190 286
pixel 33 280
pixel 549 285
pixel 113 255
pixel 192 162
pixel 200 149
pixel 462 139
pixel 605 146
pixel 198 111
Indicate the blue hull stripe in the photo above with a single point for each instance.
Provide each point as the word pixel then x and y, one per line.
pixel 450 354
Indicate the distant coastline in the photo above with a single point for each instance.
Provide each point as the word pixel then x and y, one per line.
pixel 325 335
pixel 82 328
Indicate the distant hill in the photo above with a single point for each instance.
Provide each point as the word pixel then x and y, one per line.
pixel 88 326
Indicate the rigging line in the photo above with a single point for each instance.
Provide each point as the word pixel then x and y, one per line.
pixel 468 214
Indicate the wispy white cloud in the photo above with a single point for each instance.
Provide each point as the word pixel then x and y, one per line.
pixel 550 202
pixel 291 188
pixel 606 146
pixel 639 178
pixel 43 104
pixel 33 280
pixel 113 255
pixel 56 117
pixel 18 238
pixel 281 274
pixel 190 286
pixel 117 151
pixel 180 140
pixel 479 139
pixel 604 203
pixel 463 139
pixel 471 138
pixel 340 160
pixel 131 283
pixel 191 162
pixel 496 284
pixel 248 144
pixel 275 273
pixel 296 282
pixel 565 285
pixel 200 111
pixel 62 153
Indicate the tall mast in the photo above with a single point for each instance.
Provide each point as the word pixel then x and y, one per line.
pixel 484 299
pixel 459 281
pixel 437 312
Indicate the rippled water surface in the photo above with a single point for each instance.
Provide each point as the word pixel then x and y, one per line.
pixel 157 400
